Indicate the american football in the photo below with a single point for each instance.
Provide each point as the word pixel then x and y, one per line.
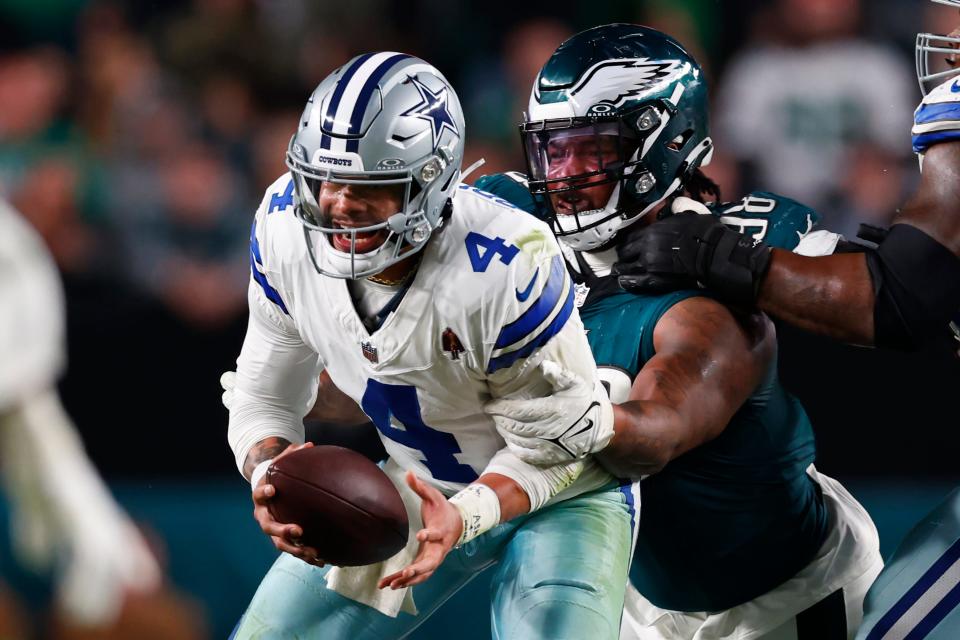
pixel 349 510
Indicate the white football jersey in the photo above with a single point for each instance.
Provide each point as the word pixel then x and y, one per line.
pixel 490 300
pixel 32 336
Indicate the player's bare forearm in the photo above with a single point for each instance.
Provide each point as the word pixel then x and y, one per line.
pixel 828 295
pixel 707 363
pixel 643 440
pixel 513 499
pixel 266 449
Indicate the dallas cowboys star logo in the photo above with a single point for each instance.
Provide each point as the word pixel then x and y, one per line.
pixel 434 108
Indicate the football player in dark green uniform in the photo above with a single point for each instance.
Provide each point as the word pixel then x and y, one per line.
pixel 740 536
pixel 901 295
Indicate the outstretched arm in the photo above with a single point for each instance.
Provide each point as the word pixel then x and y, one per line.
pixel 834 295
pixel 707 363
pixel 828 295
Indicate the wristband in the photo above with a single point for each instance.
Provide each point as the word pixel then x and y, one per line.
pixel 258 472
pixel 479 506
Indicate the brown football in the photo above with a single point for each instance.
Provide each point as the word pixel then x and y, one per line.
pixel 348 509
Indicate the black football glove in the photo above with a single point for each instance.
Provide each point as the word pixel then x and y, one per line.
pixel 688 251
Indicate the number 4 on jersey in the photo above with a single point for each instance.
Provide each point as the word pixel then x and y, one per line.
pixel 482 250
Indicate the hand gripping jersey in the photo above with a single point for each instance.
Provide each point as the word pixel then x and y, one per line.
pixel 768 217
pixel 490 300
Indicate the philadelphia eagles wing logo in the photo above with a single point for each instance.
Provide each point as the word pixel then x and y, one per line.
pixel 609 84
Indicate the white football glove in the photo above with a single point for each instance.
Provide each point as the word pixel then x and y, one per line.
pixel 228 380
pixel 572 422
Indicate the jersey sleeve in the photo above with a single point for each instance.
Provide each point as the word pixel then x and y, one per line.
pixel 277 372
pixel 263 273
pixel 529 315
pixel 774 219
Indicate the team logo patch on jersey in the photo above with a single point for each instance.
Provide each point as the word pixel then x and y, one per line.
pixel 451 345
pixel 580 293
pixel 369 352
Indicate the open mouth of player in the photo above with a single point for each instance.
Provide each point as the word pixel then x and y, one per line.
pixel 363 241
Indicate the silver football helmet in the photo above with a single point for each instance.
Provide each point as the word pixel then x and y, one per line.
pixel 381 119
pixel 933 52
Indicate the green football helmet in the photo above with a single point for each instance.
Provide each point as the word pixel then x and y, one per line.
pixel 628 105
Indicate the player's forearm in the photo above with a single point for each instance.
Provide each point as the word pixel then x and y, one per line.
pixel 828 295
pixel 514 501
pixel 645 439
pixel 495 498
pixel 526 487
pixel 266 449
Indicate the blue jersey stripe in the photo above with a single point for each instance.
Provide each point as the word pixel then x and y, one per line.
pixel 926 140
pixel 254 243
pixel 272 294
pixel 936 615
pixel 338 91
pixel 933 112
pixel 944 562
pixel 501 362
pixel 360 106
pixel 539 311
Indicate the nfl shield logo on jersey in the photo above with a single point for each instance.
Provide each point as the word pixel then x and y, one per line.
pixel 369 352
pixel 580 292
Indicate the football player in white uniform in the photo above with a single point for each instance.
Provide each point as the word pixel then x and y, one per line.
pixel 423 299
pixel 63 517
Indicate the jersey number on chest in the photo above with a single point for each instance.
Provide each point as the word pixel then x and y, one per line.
pixel 381 401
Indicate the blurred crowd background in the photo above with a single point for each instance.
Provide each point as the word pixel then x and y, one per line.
pixel 138 138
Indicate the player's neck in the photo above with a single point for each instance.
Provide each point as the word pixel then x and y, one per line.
pixel 398 273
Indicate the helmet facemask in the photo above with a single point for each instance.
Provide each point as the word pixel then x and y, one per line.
pixel 628 150
pixel 407 230
pixel 936 55
pixel 383 120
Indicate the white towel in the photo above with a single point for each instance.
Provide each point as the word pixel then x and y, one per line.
pixel 360 583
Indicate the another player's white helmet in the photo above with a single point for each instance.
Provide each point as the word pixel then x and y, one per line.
pixel 381 119
pixel 933 53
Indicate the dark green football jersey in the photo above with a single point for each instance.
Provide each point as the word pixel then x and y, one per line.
pixel 734 517
pixel 737 516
